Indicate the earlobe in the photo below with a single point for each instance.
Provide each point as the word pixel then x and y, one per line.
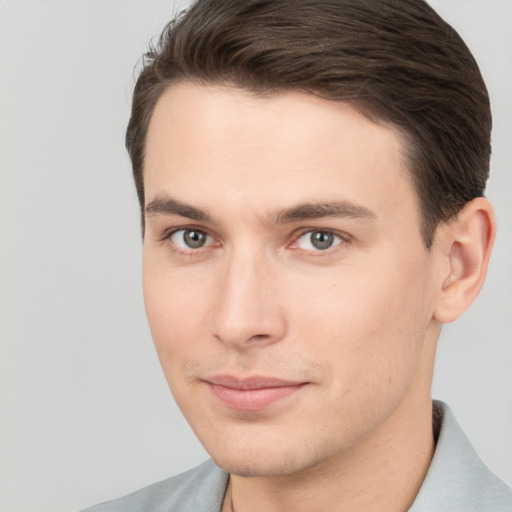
pixel 468 241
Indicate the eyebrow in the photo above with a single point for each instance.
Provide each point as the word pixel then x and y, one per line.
pixel 305 211
pixel 311 211
pixel 169 206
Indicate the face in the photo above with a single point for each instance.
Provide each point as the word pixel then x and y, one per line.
pixel 287 287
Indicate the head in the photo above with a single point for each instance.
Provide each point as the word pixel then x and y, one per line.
pixel 310 176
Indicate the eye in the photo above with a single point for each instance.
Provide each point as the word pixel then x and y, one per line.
pixel 190 239
pixel 318 240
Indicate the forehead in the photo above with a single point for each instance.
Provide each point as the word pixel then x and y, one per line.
pixel 241 146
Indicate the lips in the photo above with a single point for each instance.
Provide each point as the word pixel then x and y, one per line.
pixel 252 393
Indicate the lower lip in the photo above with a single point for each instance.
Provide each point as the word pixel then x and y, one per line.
pixel 252 399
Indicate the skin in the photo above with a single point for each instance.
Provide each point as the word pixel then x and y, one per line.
pixel 356 323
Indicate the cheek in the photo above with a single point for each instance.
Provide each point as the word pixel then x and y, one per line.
pixel 366 328
pixel 176 309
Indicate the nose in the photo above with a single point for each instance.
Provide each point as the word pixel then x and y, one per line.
pixel 247 309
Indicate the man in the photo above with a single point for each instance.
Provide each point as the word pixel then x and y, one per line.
pixel 311 178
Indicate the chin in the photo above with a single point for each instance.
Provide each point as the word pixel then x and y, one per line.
pixel 256 468
pixel 267 460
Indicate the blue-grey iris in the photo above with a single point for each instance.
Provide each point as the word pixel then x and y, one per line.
pixel 321 240
pixel 194 239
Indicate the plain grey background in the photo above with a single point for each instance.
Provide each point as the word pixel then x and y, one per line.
pixel 85 411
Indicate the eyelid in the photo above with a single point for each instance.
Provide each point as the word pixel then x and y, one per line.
pixel 171 231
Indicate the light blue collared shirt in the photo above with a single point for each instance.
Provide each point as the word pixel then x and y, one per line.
pixel 457 481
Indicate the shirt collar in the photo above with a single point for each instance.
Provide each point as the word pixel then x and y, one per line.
pixel 457 480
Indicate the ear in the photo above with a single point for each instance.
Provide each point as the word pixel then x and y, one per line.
pixel 466 243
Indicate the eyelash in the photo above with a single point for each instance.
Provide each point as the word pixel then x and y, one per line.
pixel 345 239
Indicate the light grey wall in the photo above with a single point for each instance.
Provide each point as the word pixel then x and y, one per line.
pixel 85 412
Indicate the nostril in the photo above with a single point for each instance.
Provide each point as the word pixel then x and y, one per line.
pixel 259 337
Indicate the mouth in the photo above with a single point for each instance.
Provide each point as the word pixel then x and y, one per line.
pixel 252 393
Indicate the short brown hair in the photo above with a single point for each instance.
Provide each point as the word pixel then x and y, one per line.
pixel 395 60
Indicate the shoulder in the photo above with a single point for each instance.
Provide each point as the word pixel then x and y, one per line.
pixel 457 480
pixel 201 488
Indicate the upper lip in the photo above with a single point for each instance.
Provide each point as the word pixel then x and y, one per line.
pixel 253 382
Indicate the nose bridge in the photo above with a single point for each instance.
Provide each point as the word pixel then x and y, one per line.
pixel 246 309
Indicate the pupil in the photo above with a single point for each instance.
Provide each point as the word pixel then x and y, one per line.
pixel 321 240
pixel 194 239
